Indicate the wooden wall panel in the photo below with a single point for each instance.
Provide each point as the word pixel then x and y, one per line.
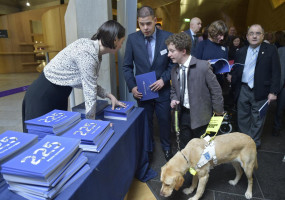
pixel 270 18
pixel 54 29
pixel 21 38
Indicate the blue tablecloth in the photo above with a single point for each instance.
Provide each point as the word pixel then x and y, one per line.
pixel 113 169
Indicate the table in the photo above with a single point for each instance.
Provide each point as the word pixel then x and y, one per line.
pixel 113 169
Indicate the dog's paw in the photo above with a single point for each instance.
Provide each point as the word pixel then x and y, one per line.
pixel 248 195
pixel 188 190
pixel 232 182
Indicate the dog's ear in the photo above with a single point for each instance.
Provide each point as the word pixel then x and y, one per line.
pixel 179 182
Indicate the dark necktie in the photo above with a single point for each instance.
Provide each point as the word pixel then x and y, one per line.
pixel 148 47
pixel 195 40
pixel 182 90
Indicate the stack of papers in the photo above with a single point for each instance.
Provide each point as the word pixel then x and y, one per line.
pixel 119 113
pixel 54 122
pixel 263 109
pixel 45 169
pixel 94 134
pixel 100 105
pixel 12 143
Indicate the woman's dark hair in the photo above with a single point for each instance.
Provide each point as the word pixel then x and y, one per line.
pixel 232 41
pixel 108 33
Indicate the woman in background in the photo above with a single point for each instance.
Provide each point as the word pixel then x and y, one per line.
pixel 76 66
pixel 212 48
pixel 235 45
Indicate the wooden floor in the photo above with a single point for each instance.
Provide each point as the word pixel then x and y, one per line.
pixel 139 191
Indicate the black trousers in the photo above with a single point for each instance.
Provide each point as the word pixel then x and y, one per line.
pixel 42 97
pixel 186 132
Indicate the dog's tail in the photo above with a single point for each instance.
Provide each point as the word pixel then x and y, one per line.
pixel 255 163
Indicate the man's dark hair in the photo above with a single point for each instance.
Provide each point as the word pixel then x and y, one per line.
pixel 108 33
pixel 145 11
pixel 181 41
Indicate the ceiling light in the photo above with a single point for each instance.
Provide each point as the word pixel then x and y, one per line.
pixel 28 3
pixel 186 20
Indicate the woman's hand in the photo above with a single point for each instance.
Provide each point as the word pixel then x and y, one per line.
pixel 115 102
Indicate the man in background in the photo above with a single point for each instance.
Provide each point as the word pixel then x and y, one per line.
pixel 195 26
pixel 147 52
pixel 255 82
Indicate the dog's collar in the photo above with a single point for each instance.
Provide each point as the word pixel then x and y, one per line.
pixel 184 157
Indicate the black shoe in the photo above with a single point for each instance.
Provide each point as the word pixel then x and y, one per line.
pixel 168 154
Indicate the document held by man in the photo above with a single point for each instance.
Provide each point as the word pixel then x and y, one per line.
pixel 143 82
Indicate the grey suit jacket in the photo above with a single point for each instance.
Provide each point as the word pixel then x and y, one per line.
pixel 205 93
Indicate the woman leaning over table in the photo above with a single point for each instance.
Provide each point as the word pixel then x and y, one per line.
pixel 76 66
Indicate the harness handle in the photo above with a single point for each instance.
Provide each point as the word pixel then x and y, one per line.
pixel 176 126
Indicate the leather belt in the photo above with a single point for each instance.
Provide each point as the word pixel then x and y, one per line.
pixel 245 84
pixel 184 109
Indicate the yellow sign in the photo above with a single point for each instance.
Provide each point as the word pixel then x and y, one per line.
pixel 215 124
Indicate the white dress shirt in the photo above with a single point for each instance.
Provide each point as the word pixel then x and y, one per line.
pixel 186 103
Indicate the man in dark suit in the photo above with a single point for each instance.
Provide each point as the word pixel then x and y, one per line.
pixel 146 51
pixel 195 26
pixel 255 82
pixel 194 87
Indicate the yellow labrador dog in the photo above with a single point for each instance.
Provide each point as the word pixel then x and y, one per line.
pixel 237 148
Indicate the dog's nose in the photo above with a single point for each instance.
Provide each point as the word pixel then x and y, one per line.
pixel 161 193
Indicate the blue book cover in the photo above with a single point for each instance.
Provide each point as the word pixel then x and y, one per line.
pixel 143 83
pixel 99 144
pixel 119 113
pixel 42 159
pixel 50 192
pixel 13 142
pixel 51 181
pixel 55 119
pixel 87 130
pixel 263 109
pixel 221 65
pixel 100 105
pixel 44 130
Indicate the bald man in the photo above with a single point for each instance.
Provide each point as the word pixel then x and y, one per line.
pixel 195 26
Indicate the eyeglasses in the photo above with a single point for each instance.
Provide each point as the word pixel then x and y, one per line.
pixel 255 33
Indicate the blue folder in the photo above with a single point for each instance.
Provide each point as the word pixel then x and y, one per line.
pixel 143 83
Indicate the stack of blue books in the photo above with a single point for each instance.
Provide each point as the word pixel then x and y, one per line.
pixel 54 122
pixel 94 134
pixel 45 169
pixel 100 105
pixel 119 113
pixel 12 143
